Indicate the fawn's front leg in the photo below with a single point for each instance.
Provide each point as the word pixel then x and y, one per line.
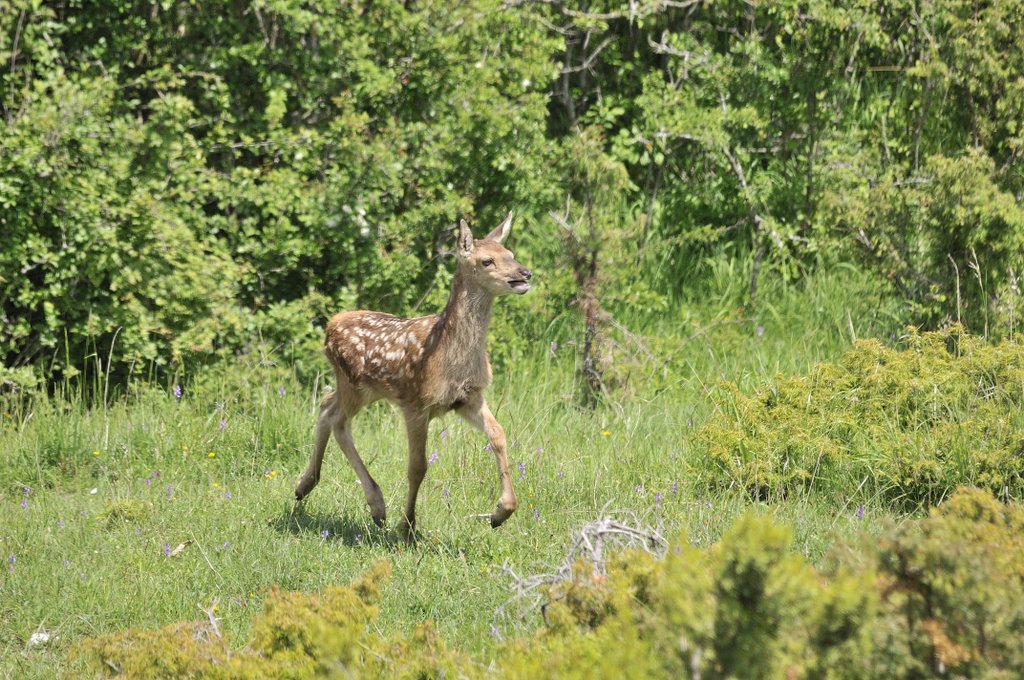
pixel 416 429
pixel 479 416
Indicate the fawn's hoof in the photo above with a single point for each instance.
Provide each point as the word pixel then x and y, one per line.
pixel 303 488
pixel 407 531
pixel 500 514
pixel 379 519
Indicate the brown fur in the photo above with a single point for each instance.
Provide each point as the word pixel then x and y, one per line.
pixel 426 366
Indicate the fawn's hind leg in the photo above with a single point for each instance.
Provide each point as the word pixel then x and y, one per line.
pixel 329 411
pixel 374 498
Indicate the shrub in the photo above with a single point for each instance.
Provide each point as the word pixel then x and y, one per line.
pixel 913 423
pixel 940 596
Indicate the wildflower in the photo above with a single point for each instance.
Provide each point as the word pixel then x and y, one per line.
pixel 553 347
pixel 26 491
pixel 639 489
pixel 12 559
pixel 560 474
pixel 536 514
pixel 540 450
pixel 222 424
pixel 679 549
pixel 216 485
pixel 227 495
pixel 522 471
pixel 860 512
pixel 217 406
pixel 60 524
pixel 325 533
pixel 177 392
pixel 657 500
pixel 444 492
pixel 225 546
pixel 149 482
pixel 760 331
pixel 675 487
pixel 606 433
pixel 280 391
pixel 67 564
pixel 24 505
pixel 433 458
pixel 167 549
pixel 211 454
pixel 488 448
pixel 708 504
pixel 170 490
pixel 270 474
pixel 444 434
pixel 95 454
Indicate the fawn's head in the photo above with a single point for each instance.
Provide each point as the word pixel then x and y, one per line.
pixel 489 265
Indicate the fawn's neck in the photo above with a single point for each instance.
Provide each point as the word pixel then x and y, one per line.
pixel 465 319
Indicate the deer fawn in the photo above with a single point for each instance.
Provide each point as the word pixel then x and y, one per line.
pixel 426 366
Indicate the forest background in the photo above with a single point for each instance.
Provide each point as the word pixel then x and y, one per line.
pixel 182 183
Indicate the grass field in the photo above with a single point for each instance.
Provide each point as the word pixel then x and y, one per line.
pixel 97 499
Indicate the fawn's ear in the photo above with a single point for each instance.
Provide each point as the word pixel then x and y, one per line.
pixel 465 243
pixel 501 231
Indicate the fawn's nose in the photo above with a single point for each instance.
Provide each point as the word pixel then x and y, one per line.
pixel 525 273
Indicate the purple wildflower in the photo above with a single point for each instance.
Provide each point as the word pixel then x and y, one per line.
pixel 760 331
pixel 657 500
pixel 488 448
pixel 225 546
pixel 536 514
pixel 169 490
pixel 540 450
pixel 26 491
pixel 67 564
pixel 860 512
pixel 679 549
pixel 149 482
pixel 24 505
pixel 60 524
pixel 281 391
pixel 675 487
pixel 708 504
pixel 227 495
pixel 444 434
pixel 218 406
pixel 12 559
pixel 433 458
pixel 167 549
pixel 325 533
pixel 560 474
pixel 444 492
pixel 222 424
pixel 177 392
pixel 640 489
pixel 522 471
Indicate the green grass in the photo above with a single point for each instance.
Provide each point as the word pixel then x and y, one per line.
pixel 89 546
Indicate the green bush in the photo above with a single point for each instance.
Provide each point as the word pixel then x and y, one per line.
pixel 909 424
pixel 939 596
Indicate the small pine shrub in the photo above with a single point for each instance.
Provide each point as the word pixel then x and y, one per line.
pixel 942 596
pixel 913 423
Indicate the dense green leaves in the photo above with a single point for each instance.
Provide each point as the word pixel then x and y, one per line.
pixel 200 179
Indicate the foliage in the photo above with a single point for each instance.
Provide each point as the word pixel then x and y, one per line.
pixel 187 182
pixel 942 595
pixel 909 424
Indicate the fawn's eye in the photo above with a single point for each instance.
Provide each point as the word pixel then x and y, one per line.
pixel 487 263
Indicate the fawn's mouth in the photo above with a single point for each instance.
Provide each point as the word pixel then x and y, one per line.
pixel 519 286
